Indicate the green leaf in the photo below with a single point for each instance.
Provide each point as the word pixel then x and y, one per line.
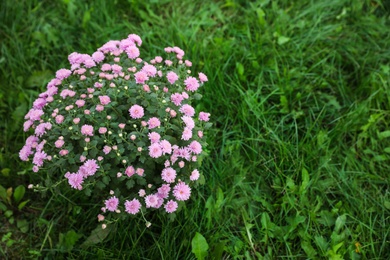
pixel 387 204
pixel 3 207
pixel 218 250
pixel 305 181
pixel 5 172
pixel 130 184
pixel 340 222
pixel 68 240
pixel 3 193
pixel 220 199
pixel 22 225
pixel 308 248
pixel 282 40
pixel 199 246
pixel 321 243
pixel 19 193
pixel 97 235
pixel 384 134
pixel 22 204
pixel 240 69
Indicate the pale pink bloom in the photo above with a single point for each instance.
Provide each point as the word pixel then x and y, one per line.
pixel 141 193
pixel 170 206
pixel 151 201
pixel 27 125
pixel 188 110
pixel 194 158
pixel 98 56
pixel 63 74
pixel 109 76
pixel 87 130
pixel 165 89
pixel 136 111
pixel 63 152
pixel 59 143
pixel 50 99
pixel 87 139
pixel 140 171
pixel 83 77
pixel 200 134
pixel 150 70
pixel 191 83
pixel 166 147
pixel 132 207
pixel 40 129
pixel 102 130
pixel 182 191
pixel 87 112
pixel 159 73
pixel 104 100
pixel 35 168
pixel 106 149
pixel 116 68
pixel 89 63
pixel 154 122
pixel 90 167
pixel 99 108
pixel 188 121
pixel 59 119
pixel 25 152
pixel 140 77
pixel 76 120
pixel 109 117
pixel 204 116
pixel 177 98
pixel 172 113
pixel 194 175
pixel 135 38
pixel 133 137
pixel 146 88
pixel 181 164
pixel 112 85
pixel 163 191
pixel 100 217
pixel 195 147
pixel 185 95
pixel 158 59
pixel 168 175
pixel 122 126
pixel 106 67
pixel 168 62
pixel 75 180
pixel 154 137
pixel 82 158
pixel 172 77
pixel 203 77
pixel 39 103
pixel 130 171
pixel 132 52
pixel 80 103
pixel 188 63
pixel 112 204
pixel 187 134
pixel 138 60
pixel 168 49
pixel 167 164
pixel 155 150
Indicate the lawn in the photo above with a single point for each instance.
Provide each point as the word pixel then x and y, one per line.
pixel 298 154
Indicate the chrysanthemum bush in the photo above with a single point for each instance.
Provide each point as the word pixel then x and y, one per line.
pixel 118 125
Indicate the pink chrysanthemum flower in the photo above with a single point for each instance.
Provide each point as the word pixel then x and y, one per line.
pixel 59 143
pixel 116 68
pixel 177 98
pixel 187 134
pixel 98 56
pixel 187 110
pixel 106 149
pixel 194 175
pixel 39 103
pixel 75 180
pixel 172 77
pixel 154 122
pixel 163 191
pixel 89 168
pixel 171 206
pixel 195 147
pixel 204 116
pixel 87 130
pixel 104 100
pixel 191 83
pixel 25 152
pixel 141 77
pixel 202 77
pixel 63 74
pixel 150 70
pixel 136 111
pixel 155 150
pixel 182 191
pixel 130 171
pixel 154 137
pixel 38 158
pixel 168 175
pixel 80 103
pixel 188 121
pixel 132 207
pixel 166 146
pixel 151 201
pixel 132 52
pixel 112 203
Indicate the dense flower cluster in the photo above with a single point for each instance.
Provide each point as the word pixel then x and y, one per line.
pixel 118 124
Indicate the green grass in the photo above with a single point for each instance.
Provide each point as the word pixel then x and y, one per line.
pixel 299 93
